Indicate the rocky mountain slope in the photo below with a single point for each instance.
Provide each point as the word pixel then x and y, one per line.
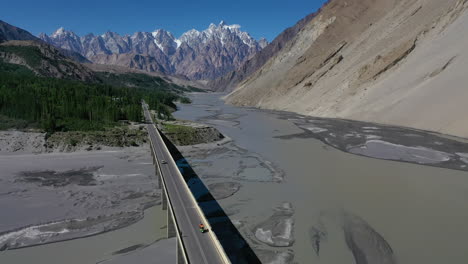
pixel 20 47
pixel 44 60
pixel 196 54
pixel 229 81
pixel 171 79
pixel 10 32
pixel 396 62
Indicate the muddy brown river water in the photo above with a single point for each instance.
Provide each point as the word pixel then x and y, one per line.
pixel 346 207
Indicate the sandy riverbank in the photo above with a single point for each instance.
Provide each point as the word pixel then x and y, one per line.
pixel 60 196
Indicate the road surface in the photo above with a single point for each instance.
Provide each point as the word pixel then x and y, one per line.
pixel 200 247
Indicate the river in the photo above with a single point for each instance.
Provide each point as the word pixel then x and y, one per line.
pixel 302 199
pixel 346 207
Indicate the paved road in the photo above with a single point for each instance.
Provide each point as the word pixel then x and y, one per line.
pixel 200 247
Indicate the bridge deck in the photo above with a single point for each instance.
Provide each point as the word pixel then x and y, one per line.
pixel 200 247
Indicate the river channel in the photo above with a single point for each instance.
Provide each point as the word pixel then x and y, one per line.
pixel 386 195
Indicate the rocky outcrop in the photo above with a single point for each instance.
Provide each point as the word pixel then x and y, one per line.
pixel 196 54
pixel 369 60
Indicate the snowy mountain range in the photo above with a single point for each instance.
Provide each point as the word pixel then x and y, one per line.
pixel 198 55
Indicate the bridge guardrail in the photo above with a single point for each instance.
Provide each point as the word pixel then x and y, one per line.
pixel 213 236
pixel 218 245
pixel 176 224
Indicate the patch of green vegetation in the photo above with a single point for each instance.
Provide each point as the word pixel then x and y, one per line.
pixel 166 93
pixel 179 134
pixel 195 89
pixel 32 55
pixel 184 134
pixel 73 142
pixel 10 123
pixel 185 100
pixel 178 129
pixel 65 105
pixel 27 100
pixel 141 80
pixel 138 80
pixel 14 68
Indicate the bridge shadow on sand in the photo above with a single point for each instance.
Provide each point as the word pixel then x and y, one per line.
pixel 237 249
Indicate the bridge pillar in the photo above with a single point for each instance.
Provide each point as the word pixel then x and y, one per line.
pixel 171 231
pixel 164 200
pixel 160 185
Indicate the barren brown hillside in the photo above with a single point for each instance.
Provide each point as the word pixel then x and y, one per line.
pixel 398 62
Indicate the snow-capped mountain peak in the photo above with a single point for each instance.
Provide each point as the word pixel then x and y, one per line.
pixel 165 41
pixel 58 32
pixel 63 33
pixel 223 24
pixel 158 33
pixel 221 32
pixel 196 54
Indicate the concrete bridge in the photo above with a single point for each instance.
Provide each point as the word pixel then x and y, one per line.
pixel 184 214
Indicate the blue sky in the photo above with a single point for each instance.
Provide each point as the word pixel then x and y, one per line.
pixel 259 18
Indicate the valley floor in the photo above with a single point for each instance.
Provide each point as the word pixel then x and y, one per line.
pixel 313 190
pixel 56 197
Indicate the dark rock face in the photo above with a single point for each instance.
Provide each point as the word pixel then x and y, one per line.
pixel 166 41
pixel 9 32
pixel 196 54
pixel 228 81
